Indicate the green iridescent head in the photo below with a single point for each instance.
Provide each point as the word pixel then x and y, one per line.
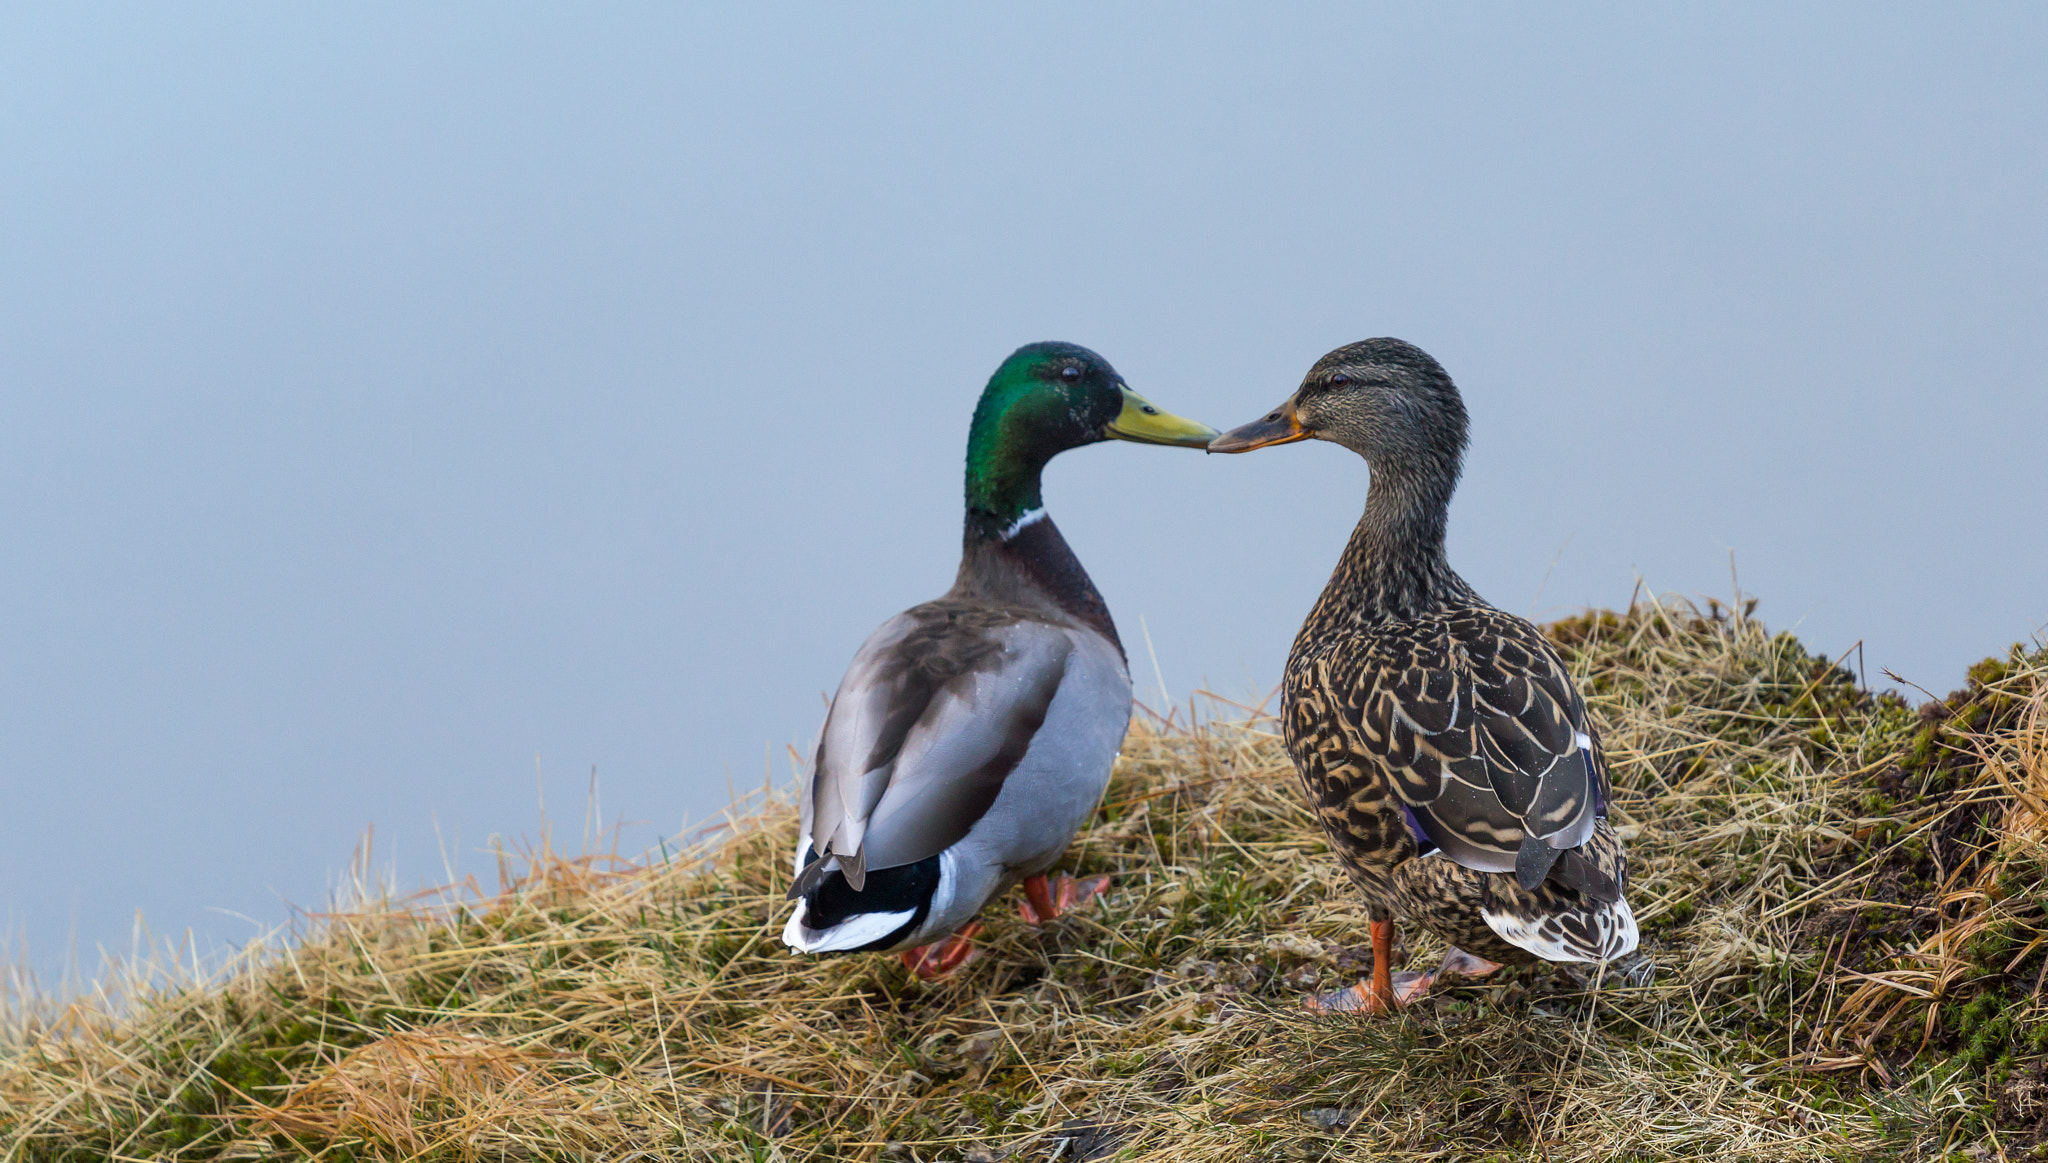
pixel 1045 399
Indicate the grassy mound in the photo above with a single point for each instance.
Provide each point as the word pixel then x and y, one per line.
pixel 1843 896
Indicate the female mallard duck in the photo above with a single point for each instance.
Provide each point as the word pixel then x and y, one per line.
pixel 1441 740
pixel 973 735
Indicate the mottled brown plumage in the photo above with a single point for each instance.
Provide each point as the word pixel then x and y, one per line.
pixel 1440 740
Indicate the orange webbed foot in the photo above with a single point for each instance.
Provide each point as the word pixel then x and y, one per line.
pixel 939 959
pixel 1403 988
pixel 1457 963
pixel 1356 998
pixel 1046 901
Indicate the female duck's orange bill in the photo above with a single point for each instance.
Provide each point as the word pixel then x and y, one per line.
pixel 1281 426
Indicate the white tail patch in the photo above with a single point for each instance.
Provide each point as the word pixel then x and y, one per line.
pixel 851 933
pixel 1603 933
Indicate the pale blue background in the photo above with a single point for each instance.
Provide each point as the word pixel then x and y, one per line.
pixel 391 394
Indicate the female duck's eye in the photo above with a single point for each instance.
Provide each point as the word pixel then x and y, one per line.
pixel 1338 381
pixel 1070 372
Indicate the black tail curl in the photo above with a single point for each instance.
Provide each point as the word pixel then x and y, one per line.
pixel 830 900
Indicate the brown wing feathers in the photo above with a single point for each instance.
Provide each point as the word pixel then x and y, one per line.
pixel 949 642
pixel 929 824
pixel 1477 724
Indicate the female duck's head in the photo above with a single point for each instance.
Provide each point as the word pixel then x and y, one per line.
pixel 1045 399
pixel 1384 399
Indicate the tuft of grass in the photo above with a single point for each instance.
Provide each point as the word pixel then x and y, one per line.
pixel 1842 894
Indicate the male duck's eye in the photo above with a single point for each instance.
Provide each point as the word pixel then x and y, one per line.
pixel 1070 373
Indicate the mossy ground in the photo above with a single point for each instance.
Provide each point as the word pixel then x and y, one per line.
pixel 1843 895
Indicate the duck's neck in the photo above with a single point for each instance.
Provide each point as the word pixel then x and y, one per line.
pixel 1011 552
pixel 1394 567
pixel 1027 563
pixel 1007 450
pixel 1002 496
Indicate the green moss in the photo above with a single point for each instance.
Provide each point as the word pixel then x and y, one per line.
pixel 1986 1032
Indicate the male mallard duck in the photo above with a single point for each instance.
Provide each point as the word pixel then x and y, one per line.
pixel 1441 740
pixel 973 735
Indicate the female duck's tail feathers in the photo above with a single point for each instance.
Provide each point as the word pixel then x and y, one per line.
pixel 834 917
pixel 1597 933
pixel 1582 876
pixel 1590 922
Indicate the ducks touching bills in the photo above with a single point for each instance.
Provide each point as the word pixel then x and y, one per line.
pixel 973 735
pixel 1441 740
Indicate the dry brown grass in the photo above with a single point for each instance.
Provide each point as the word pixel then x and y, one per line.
pixel 596 1008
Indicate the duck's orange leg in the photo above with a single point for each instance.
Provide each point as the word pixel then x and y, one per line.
pixel 1038 907
pixel 940 958
pixel 1378 996
pixel 1400 989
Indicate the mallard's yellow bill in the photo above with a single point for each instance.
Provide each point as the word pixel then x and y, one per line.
pixel 1281 426
pixel 1144 422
